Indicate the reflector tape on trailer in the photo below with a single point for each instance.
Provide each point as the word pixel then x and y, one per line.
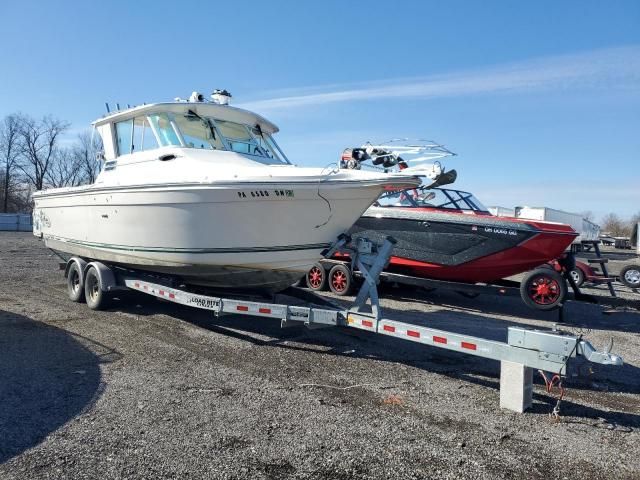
pixel 137 285
pixel 389 328
pixel 242 308
pixel 439 339
pixel 413 333
pixel 367 323
pixel 172 296
pixel 469 346
pixel 264 310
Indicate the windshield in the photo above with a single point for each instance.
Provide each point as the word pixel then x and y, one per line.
pixel 432 198
pixel 198 132
pixel 249 141
pixel 204 133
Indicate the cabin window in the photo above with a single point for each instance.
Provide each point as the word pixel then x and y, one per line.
pixel 165 129
pixel 250 141
pixel 238 138
pixel 143 136
pixel 198 132
pixel 124 132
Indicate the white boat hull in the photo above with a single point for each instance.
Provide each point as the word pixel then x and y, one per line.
pixel 222 235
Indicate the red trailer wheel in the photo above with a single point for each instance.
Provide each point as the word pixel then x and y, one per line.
pixel 340 280
pixel 543 289
pixel 316 277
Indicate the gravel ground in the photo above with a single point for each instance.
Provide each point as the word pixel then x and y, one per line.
pixel 153 390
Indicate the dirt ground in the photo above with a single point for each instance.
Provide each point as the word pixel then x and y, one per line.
pixel 153 390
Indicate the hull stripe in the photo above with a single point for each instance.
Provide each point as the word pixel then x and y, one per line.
pixel 128 248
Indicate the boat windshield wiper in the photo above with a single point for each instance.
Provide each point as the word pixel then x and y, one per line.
pixel 206 121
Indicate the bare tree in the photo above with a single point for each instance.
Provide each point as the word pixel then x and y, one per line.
pixel 84 154
pixel 9 153
pixel 613 224
pixel 65 169
pixel 39 147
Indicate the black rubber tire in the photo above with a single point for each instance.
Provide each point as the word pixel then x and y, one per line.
pixel 630 276
pixel 543 289
pixel 340 280
pixel 578 276
pixel 94 296
pixel 75 285
pixel 316 277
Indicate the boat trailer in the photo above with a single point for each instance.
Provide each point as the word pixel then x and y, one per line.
pixel 524 351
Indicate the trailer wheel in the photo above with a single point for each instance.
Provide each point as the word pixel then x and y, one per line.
pixel 578 276
pixel 316 277
pixel 543 289
pixel 630 276
pixel 340 280
pixel 75 287
pixel 96 298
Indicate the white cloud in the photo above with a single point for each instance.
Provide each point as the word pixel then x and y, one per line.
pixel 613 68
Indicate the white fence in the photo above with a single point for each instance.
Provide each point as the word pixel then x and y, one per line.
pixel 16 222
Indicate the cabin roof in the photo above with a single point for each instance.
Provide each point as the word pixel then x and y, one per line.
pixel 222 112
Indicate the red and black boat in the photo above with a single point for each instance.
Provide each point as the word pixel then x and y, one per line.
pixel 446 238
pixel 448 234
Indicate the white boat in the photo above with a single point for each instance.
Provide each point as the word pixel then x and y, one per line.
pixel 201 190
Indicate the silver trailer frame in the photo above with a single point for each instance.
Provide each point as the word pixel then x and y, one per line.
pixel 525 349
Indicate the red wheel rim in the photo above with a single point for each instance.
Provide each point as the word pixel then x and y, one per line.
pixel 315 276
pixel 544 290
pixel 339 281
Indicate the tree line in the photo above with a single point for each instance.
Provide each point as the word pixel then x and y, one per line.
pixel 619 227
pixel 34 156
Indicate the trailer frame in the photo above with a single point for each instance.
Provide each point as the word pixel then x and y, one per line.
pixel 525 349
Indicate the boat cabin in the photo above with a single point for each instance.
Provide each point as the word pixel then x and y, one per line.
pixel 193 125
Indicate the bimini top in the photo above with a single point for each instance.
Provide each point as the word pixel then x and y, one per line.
pixel 223 112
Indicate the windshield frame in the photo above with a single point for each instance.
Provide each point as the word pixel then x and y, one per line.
pixel 273 153
pixel 462 201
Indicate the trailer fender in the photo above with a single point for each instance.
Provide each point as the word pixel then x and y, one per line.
pixel 107 278
pixel 82 265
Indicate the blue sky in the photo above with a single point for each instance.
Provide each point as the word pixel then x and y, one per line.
pixel 541 100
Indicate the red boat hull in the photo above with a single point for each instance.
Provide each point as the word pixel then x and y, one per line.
pixel 471 248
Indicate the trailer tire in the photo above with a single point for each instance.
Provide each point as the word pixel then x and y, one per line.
pixel 75 285
pixel 630 276
pixel 543 289
pixel 95 297
pixel 577 275
pixel 340 280
pixel 316 277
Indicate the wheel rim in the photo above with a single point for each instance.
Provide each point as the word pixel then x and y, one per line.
pixel 544 290
pixel 632 276
pixel 314 277
pixel 339 281
pixel 75 281
pixel 93 287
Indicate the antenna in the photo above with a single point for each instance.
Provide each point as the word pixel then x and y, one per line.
pixel 106 104
pixel 118 106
